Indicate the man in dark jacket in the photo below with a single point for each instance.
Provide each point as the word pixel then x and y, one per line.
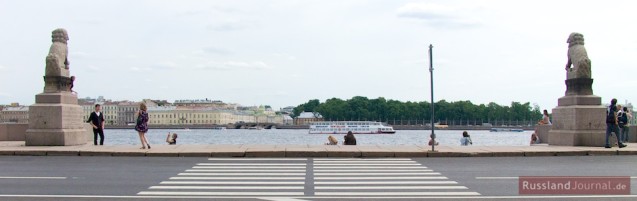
pixel 612 124
pixel 97 121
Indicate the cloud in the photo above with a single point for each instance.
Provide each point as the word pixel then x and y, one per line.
pixel 78 55
pixel 225 27
pixel 234 65
pixel 4 94
pixel 164 66
pixel 2 68
pixel 437 15
pixel 216 50
pixel 286 56
pixel 140 69
pixel 93 68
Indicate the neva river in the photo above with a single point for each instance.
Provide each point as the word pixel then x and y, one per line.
pixel 301 136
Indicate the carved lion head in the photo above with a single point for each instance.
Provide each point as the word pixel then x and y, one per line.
pixel 575 39
pixel 60 35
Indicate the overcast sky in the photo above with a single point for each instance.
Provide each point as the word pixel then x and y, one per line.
pixel 283 53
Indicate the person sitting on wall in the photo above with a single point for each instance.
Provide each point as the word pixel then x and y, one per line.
pixel 171 139
pixel 349 139
pixel 331 140
pixel 466 139
pixel 546 120
pixel 432 141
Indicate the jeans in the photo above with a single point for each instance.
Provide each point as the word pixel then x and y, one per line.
pixel 612 128
pixel 100 131
pixel 624 132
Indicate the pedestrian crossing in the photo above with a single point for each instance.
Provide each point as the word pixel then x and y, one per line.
pixel 303 178
pixel 237 177
pixel 392 176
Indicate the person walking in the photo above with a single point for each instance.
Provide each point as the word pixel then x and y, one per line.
pixel 141 125
pixel 349 139
pixel 96 119
pixel 623 116
pixel 612 124
pixel 466 139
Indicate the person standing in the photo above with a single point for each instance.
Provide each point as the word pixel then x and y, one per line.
pixel 349 139
pixel 466 139
pixel 623 117
pixel 96 119
pixel 612 124
pixel 141 126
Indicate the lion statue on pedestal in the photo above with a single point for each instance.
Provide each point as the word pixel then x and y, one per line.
pixel 57 62
pixel 577 57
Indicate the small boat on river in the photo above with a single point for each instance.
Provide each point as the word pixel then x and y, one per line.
pixel 356 127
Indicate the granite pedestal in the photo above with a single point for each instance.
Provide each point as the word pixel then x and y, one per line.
pixel 55 120
pixel 579 119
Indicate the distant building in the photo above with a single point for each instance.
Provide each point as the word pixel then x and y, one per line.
pixel 174 115
pixel 15 114
pixel 287 120
pixel 205 103
pixel 287 110
pixel 307 117
pixel 126 112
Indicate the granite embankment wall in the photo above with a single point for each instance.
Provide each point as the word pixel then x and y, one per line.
pixel 18 131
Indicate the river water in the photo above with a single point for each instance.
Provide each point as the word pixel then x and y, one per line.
pixel 301 136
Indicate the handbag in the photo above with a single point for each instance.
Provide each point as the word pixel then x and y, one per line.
pixel 139 119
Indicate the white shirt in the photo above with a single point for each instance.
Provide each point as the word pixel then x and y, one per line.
pixel 98 113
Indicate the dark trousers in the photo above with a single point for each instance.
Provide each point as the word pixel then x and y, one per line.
pixel 100 131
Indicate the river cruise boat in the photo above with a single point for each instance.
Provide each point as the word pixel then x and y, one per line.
pixel 357 127
pixel 507 130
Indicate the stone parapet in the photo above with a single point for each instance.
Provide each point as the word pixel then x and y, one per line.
pixel 13 131
pixel 542 132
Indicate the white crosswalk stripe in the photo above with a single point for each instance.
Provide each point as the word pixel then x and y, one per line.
pixel 237 177
pixel 280 177
pixel 405 177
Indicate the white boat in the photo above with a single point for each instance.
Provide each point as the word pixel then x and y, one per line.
pixel 357 127
pixel 507 130
pixel 219 128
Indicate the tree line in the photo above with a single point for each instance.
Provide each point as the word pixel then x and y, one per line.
pixel 381 109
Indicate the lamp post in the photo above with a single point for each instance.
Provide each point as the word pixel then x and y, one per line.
pixel 431 73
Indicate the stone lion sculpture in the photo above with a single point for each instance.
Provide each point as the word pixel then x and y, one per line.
pixel 57 62
pixel 577 57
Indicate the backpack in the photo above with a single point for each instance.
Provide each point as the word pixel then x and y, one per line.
pixel 623 119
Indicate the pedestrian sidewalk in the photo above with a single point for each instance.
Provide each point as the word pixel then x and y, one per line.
pixel 251 150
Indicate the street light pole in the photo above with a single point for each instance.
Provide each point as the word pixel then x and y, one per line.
pixel 431 73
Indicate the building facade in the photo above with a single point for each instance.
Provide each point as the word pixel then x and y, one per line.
pixel 175 115
pixel 15 114
pixel 306 118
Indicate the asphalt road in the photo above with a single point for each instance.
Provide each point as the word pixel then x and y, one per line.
pixel 290 179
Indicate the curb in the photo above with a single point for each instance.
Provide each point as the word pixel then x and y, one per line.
pixel 318 154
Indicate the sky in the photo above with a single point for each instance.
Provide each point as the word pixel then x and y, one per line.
pixel 284 53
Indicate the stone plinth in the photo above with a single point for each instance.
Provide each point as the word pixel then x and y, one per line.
pixel 55 120
pixel 578 120
pixel 579 86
